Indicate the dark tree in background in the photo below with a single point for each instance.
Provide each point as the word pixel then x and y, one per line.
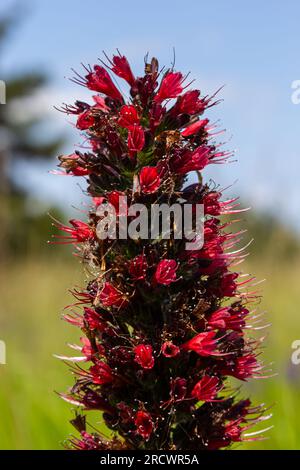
pixel 19 140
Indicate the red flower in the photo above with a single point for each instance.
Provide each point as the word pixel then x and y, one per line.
pixel 149 179
pixel 143 356
pixel 110 296
pixel 227 318
pixel 79 233
pixel 93 319
pixel 122 68
pixel 178 388
pixel 166 272
pixel 233 431
pixel 243 368
pixel 228 286
pixel 169 349
pixel 87 442
pixel 203 344
pixel 156 114
pixel 128 116
pixel 206 389
pixel 101 373
pixel 170 86
pixel 136 138
pixel 72 165
pixel 85 120
pixel 189 103
pixel 114 198
pixel 100 103
pixel 195 127
pixel 98 200
pixel 144 424
pixel 138 267
pixel 100 81
pixel 191 161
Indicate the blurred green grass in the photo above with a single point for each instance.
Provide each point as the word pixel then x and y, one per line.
pixel 33 293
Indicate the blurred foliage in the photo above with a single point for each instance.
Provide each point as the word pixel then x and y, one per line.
pixel 20 140
pixel 28 227
pixel 22 230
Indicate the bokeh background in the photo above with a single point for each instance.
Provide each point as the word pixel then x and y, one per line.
pixel 249 47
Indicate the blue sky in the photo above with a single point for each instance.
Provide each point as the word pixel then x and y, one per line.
pixel 250 47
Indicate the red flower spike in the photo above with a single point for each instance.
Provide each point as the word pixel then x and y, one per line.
pixel 243 368
pixel 149 180
pixel 114 198
pixel 166 272
pixel 143 356
pixel 144 424
pixel 158 363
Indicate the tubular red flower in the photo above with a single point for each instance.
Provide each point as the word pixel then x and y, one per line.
pixel 138 268
pixel 143 356
pixel 243 367
pixel 144 424
pixel 112 297
pixel 101 373
pixel 136 139
pixel 227 318
pixel 166 272
pixel 206 389
pixel 100 103
pixel 169 349
pixel 149 179
pixel 170 87
pixel 128 116
pixel 203 344
pixel 188 161
pixel 93 319
pixel 79 232
pixel 85 120
pixel 188 103
pixel 100 81
pixel 195 128
pixel 122 68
